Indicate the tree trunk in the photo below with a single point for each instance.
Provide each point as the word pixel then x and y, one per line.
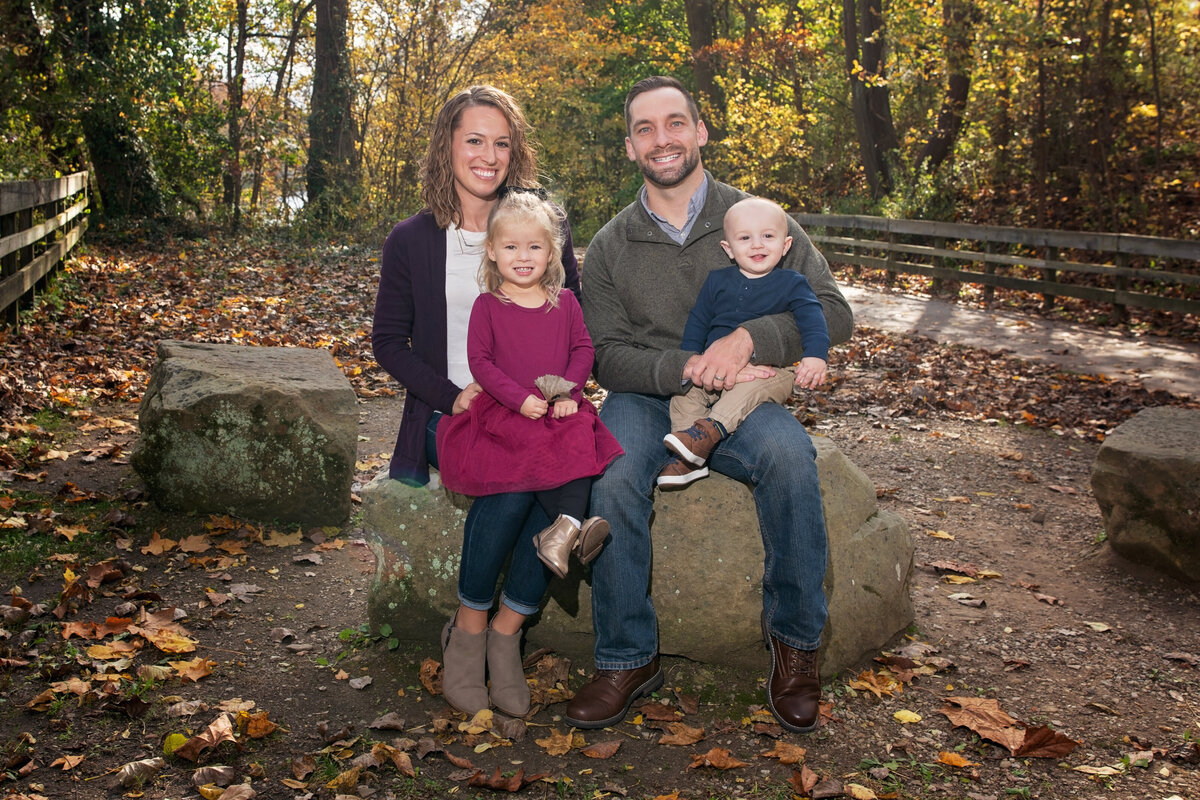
pixel 331 171
pixel 700 29
pixel 232 180
pixel 869 96
pixel 956 23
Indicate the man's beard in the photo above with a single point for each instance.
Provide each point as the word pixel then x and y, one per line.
pixel 672 175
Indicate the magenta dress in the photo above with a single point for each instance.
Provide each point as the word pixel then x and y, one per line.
pixel 491 448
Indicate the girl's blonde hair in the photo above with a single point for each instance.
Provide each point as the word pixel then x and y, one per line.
pixel 437 171
pixel 525 206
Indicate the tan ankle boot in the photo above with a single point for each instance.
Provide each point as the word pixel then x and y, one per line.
pixel 554 544
pixel 464 659
pixel 507 686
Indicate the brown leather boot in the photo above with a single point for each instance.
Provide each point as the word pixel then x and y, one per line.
pixel 606 698
pixel 554 544
pixel 793 688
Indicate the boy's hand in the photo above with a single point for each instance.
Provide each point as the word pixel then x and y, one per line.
pixel 565 407
pixel 534 407
pixel 810 373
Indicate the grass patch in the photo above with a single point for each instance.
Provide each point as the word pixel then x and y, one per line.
pixel 35 528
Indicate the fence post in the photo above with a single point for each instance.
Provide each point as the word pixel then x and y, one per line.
pixel 935 287
pixel 1120 310
pixel 1048 275
pixel 989 291
pixel 10 265
pixel 890 275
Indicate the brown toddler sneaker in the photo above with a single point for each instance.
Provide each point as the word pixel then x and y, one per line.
pixel 676 474
pixel 695 444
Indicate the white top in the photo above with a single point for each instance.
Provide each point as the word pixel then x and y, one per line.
pixel 464 252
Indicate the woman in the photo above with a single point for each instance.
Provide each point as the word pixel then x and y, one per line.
pixel 479 145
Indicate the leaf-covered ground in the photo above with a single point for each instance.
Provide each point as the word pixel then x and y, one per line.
pixel 169 656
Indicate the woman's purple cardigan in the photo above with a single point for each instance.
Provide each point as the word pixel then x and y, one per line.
pixel 409 331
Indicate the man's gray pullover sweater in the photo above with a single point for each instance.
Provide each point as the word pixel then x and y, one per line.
pixel 639 285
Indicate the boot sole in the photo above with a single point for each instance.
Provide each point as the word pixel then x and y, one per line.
pixel 591 541
pixel 679 449
pixel 679 481
pixel 646 688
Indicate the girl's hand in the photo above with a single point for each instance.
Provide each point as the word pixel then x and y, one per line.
pixel 811 373
pixel 463 401
pixel 565 408
pixel 534 407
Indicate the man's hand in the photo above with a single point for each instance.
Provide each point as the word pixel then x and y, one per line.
pixel 463 401
pixel 534 407
pixel 810 373
pixel 725 363
pixel 565 407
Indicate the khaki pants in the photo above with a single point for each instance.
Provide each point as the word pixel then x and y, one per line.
pixel 731 406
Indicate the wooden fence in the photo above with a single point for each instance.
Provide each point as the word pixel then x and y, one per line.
pixel 1120 269
pixel 40 221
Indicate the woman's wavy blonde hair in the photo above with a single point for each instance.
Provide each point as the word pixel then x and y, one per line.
pixel 525 206
pixel 437 172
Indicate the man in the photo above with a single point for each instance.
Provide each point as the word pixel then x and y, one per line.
pixel 643 272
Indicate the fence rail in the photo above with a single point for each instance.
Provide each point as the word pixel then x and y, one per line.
pixel 40 221
pixel 1116 268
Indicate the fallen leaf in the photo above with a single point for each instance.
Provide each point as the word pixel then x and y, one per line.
pixel 717 758
pixel 602 749
pixel 681 734
pixel 498 782
pixel 193 670
pixel 199 543
pixel 558 744
pixel 221 730
pixel 136 773
pixel 277 539
pixel 955 760
pixel 786 752
pixel 218 776
pixel 345 782
pixel 984 716
pixel 67 762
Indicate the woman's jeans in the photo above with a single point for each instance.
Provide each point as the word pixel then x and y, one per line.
pixel 497 526
pixel 772 453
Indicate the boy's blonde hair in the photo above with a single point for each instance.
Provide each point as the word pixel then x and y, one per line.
pixel 517 206
pixel 762 204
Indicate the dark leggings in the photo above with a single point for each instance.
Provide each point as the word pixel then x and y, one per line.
pixel 570 499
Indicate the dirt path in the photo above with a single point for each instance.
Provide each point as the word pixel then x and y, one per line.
pixel 1157 363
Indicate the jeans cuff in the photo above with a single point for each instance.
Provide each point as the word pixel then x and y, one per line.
pixel 473 605
pixel 517 606
pixel 619 665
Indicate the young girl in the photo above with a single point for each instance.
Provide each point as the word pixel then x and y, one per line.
pixel 512 440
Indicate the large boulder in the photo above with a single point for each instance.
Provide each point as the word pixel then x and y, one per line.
pixel 708 595
pixel 267 433
pixel 1146 479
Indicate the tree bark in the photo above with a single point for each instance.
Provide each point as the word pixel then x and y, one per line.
pixel 956 23
pixel 332 163
pixel 865 47
pixel 232 179
pixel 700 22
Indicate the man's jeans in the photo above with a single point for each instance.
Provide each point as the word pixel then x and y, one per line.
pixel 772 453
